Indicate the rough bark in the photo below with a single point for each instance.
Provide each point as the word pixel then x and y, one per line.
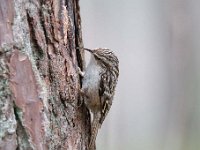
pixel 39 83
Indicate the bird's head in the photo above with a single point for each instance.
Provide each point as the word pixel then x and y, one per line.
pixel 104 56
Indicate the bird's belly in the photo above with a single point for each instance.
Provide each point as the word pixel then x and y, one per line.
pixel 90 88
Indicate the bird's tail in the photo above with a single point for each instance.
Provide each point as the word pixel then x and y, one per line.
pixel 94 130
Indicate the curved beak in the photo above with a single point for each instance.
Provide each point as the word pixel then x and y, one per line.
pixel 89 50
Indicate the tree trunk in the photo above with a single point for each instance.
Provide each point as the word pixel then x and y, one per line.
pixel 40 107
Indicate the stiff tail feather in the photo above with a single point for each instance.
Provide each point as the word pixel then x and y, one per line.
pixel 94 130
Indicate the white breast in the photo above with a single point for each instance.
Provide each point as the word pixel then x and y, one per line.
pixel 91 76
pixel 91 82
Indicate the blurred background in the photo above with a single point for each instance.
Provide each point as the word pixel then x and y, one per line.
pixel 156 105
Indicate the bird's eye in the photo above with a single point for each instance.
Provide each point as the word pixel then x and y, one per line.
pixel 97 57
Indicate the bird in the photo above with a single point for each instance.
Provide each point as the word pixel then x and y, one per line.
pixel 98 87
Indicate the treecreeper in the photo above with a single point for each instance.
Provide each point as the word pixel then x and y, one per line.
pixel 98 87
